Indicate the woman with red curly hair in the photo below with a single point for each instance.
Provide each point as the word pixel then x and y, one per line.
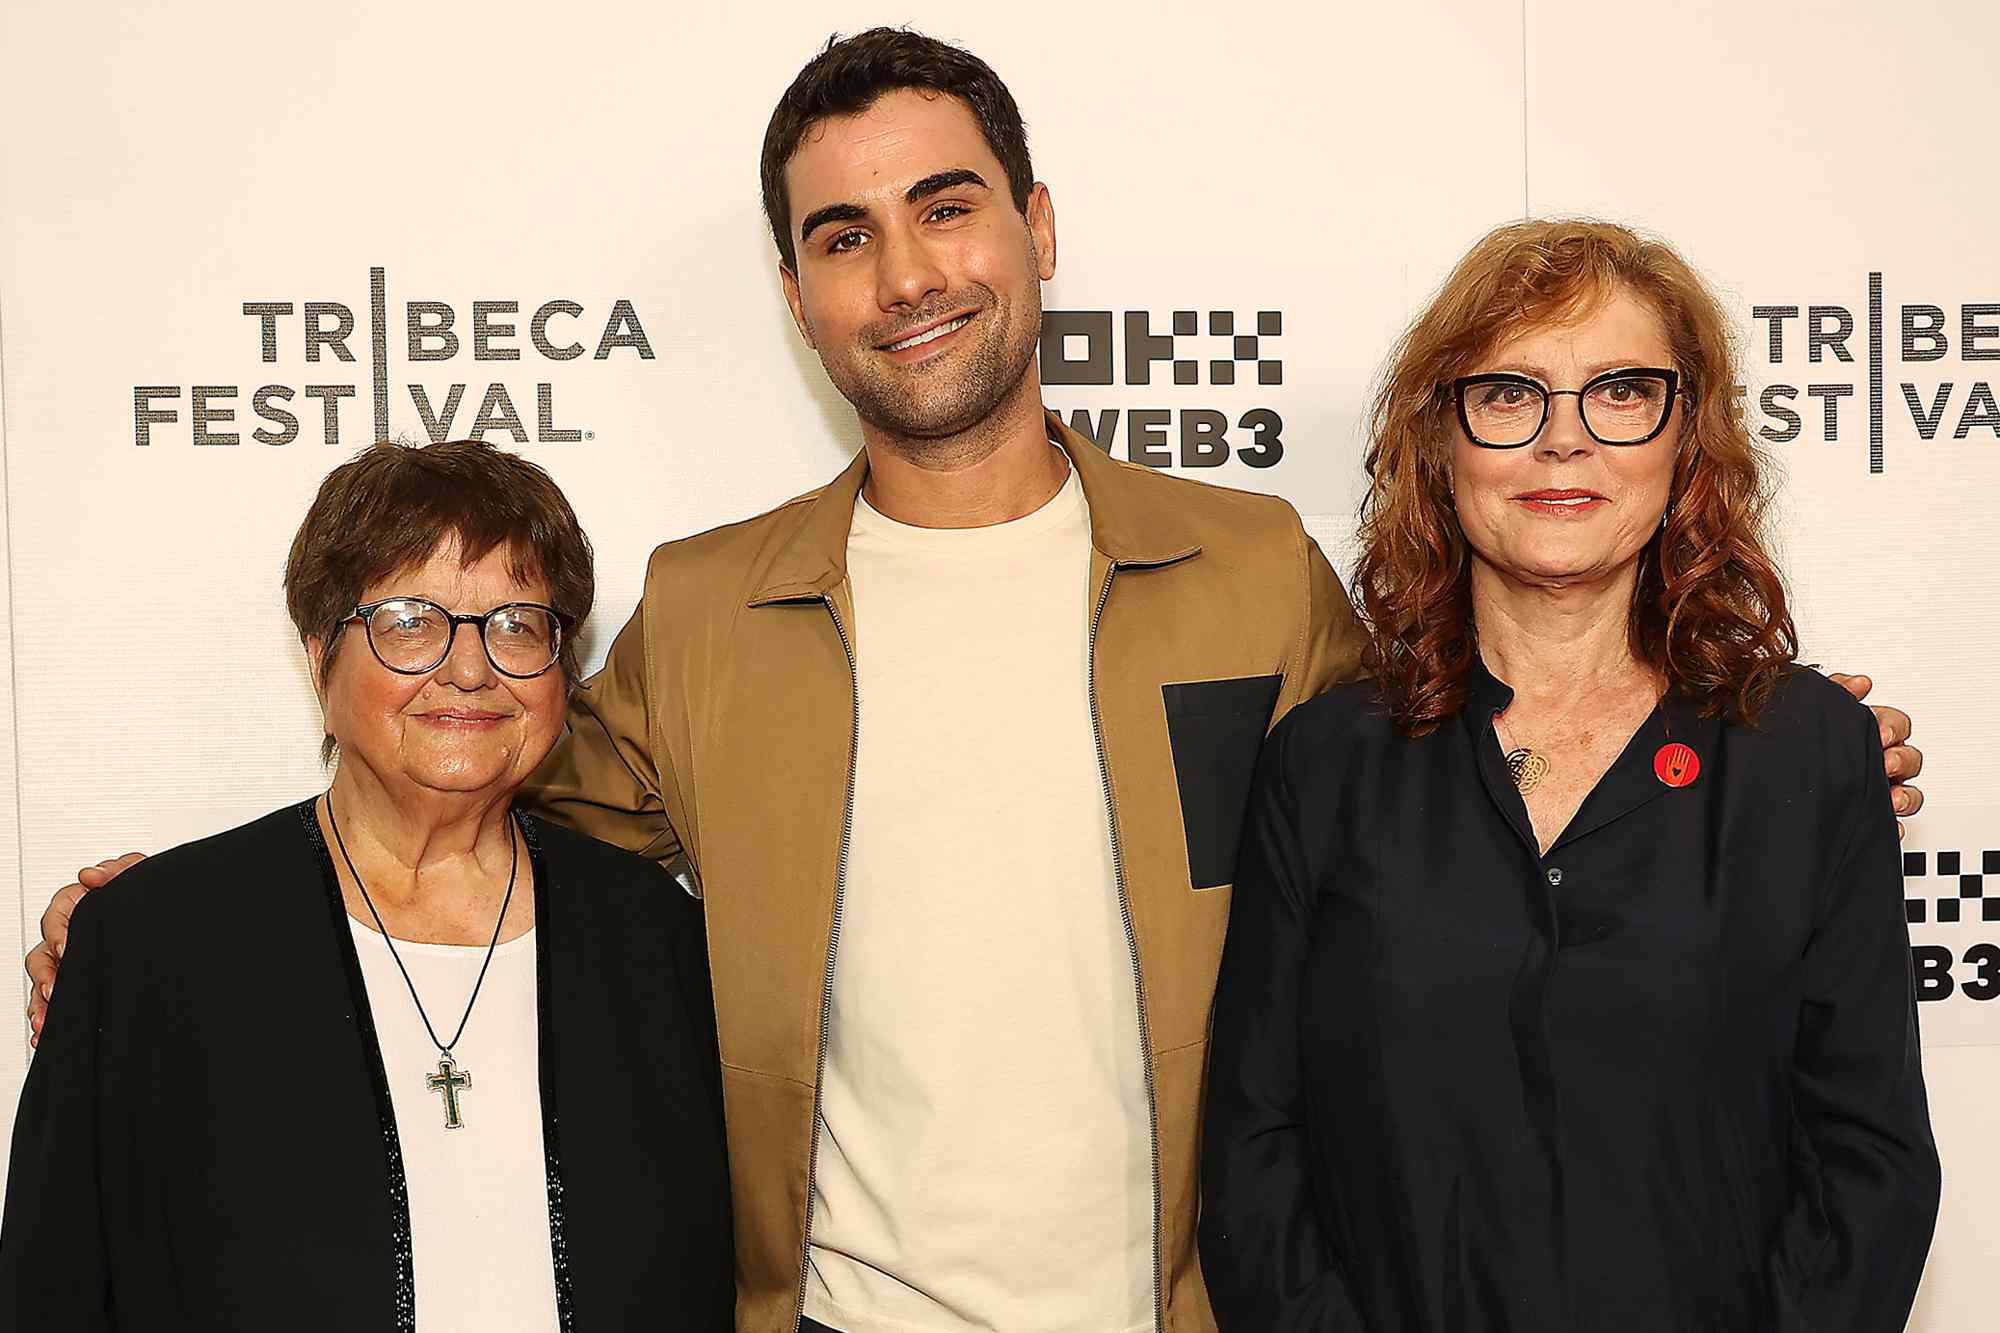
pixel 1567 983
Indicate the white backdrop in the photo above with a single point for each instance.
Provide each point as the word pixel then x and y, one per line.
pixel 163 169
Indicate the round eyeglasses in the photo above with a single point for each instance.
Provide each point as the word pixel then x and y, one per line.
pixel 1620 407
pixel 413 635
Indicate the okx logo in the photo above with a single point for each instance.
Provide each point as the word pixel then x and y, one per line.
pixel 1960 891
pixel 322 337
pixel 1936 382
pixel 1189 362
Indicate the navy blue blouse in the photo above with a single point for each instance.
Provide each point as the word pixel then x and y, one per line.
pixel 1664 1077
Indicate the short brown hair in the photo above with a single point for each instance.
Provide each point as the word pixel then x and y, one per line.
pixel 390 506
pixel 848 76
pixel 1709 611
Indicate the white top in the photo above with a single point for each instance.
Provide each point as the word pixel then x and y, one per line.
pixel 479 1206
pixel 985 1155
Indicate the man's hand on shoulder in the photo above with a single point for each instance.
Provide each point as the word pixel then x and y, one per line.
pixel 45 958
pixel 1902 760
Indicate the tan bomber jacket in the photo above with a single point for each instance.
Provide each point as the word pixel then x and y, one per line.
pixel 723 726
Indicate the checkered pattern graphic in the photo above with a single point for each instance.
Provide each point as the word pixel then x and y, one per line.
pixel 1099 347
pixel 1243 347
pixel 1967 899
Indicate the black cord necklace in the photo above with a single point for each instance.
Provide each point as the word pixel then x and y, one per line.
pixel 449 1079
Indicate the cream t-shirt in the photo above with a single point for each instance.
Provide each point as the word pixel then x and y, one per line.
pixel 985 1154
pixel 479 1204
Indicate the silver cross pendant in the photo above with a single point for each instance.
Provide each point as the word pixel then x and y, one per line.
pixel 450 1080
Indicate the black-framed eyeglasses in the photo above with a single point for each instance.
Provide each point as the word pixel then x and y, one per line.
pixel 413 635
pixel 1506 410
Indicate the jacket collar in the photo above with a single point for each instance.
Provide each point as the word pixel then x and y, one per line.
pixel 1128 524
pixel 813 560
pixel 1133 521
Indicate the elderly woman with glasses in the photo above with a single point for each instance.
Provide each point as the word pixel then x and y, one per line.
pixel 1567 983
pixel 449 1066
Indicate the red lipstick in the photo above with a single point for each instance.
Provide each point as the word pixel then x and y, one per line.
pixel 1561 500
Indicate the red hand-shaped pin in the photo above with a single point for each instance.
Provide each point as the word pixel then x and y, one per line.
pixel 1676 765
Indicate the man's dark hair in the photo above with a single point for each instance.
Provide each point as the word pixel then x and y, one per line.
pixel 850 74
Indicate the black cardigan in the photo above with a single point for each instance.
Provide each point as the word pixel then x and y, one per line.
pixel 206 1139
pixel 1663 1078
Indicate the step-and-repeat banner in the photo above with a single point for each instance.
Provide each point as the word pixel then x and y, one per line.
pixel 243 240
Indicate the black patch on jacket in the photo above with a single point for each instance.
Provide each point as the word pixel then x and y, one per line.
pixel 1216 728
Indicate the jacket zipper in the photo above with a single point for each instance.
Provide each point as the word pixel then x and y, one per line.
pixel 832 945
pixel 1132 941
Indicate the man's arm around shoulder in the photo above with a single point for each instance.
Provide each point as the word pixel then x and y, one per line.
pixel 1330 639
pixel 606 777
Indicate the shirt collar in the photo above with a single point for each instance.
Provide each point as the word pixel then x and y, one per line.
pixel 1630 783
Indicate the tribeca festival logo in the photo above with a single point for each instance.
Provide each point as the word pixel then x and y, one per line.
pixel 432 332
pixel 1960 893
pixel 1085 347
pixel 1920 335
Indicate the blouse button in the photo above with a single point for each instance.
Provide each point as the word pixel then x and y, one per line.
pixel 1555 875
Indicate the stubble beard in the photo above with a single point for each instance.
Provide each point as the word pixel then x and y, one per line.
pixel 932 414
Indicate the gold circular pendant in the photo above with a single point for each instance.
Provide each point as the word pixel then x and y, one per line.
pixel 1527 767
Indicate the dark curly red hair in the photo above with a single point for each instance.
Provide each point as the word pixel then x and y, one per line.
pixel 1709 611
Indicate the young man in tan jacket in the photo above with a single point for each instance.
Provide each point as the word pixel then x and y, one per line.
pixel 955 751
